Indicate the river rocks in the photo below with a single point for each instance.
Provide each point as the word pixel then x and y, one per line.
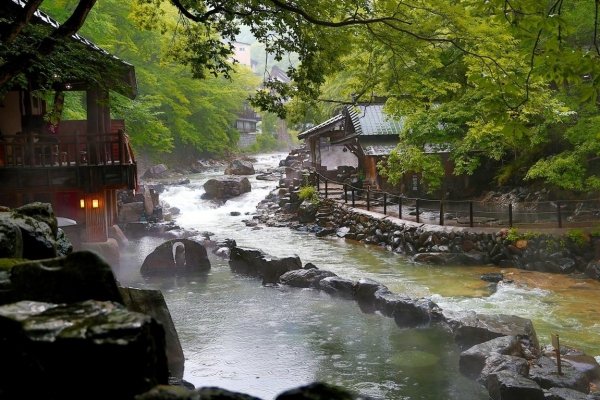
pixel 91 349
pixel 544 372
pixel 470 328
pixel 175 256
pixel 225 187
pixel 337 286
pixel 152 302
pixel 240 167
pixel 318 391
pixel 593 269
pixel 156 171
pixel 257 263
pixel 163 392
pixel 504 385
pixel 79 276
pixel 42 212
pixel 473 360
pixel 35 240
pixel 305 278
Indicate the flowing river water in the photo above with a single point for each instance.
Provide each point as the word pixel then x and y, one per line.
pixel 244 337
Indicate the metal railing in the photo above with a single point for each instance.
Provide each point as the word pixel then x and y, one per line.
pixel 539 214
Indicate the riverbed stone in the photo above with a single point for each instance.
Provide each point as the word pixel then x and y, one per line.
pixel 77 277
pixel 226 187
pixel 91 349
pixel 240 167
pixel 556 393
pixel 473 360
pixel 593 269
pixel 152 303
pixel 544 372
pixel 177 256
pixel 318 391
pixel 505 385
pixel 337 286
pixel 501 362
pixel 305 278
pixel 364 293
pixel 255 262
pixel 471 328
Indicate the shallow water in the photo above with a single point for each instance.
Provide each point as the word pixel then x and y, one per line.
pixel 261 340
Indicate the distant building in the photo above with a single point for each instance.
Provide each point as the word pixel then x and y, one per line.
pixel 241 53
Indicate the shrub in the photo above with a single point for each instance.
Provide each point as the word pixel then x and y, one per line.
pixel 309 193
pixel 577 237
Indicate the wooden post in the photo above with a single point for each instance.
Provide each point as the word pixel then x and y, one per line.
pixel 559 214
pixel 556 345
pixel 384 203
pixel 510 215
pixel 345 193
pixel 471 214
pixel 441 212
pixel 368 198
pixel 417 209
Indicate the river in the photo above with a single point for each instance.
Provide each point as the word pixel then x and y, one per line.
pixel 244 337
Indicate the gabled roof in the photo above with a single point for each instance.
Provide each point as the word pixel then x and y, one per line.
pixel 329 125
pixel 371 120
pixel 376 147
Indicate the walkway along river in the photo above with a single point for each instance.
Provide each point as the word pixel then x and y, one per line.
pixel 262 340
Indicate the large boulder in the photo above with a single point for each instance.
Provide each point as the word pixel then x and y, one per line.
pixel 473 360
pixel 544 372
pixel 471 328
pixel 337 286
pixel 24 236
pixel 257 263
pixel 152 302
pixel 406 311
pixel 505 385
pixel 155 171
pixel 305 278
pixel 240 167
pixel 11 240
pixel 318 391
pixel 176 256
pixel 163 392
pixel 77 277
pixel 226 187
pixel 86 350
pixel 42 212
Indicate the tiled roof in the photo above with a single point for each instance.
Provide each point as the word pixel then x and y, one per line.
pixel 377 147
pixel 322 127
pixel 371 120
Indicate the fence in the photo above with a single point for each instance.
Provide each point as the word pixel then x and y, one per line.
pixel 539 214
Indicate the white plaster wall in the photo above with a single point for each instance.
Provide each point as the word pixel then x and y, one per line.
pixel 333 156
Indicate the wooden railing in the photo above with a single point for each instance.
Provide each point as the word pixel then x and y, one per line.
pixel 65 150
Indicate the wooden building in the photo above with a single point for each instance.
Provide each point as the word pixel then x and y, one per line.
pixel 77 166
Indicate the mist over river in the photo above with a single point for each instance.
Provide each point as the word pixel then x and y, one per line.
pixel 244 337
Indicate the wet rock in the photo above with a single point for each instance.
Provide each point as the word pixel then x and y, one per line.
pixel 504 385
pixel 79 276
pixel 494 277
pixel 473 360
pixel 240 167
pixel 185 256
pixel 305 278
pixel 318 391
pixel 37 236
pixel 307 211
pixel 470 329
pixel 152 303
pixel 63 244
pixel 544 372
pixel 131 212
pixel 155 171
pixel 42 212
pixel 11 240
pixel 593 269
pixel 257 263
pixel 162 392
pixel 500 362
pixel 337 286
pixel 91 349
pixel 226 187
pixel 565 394
pixel 364 292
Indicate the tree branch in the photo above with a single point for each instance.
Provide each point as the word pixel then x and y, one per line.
pixel 14 66
pixel 9 34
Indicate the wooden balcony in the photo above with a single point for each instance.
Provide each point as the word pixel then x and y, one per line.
pixel 89 162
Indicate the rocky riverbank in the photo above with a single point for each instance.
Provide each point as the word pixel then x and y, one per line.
pixel 570 253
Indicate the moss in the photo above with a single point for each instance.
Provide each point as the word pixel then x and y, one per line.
pixel 8 263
